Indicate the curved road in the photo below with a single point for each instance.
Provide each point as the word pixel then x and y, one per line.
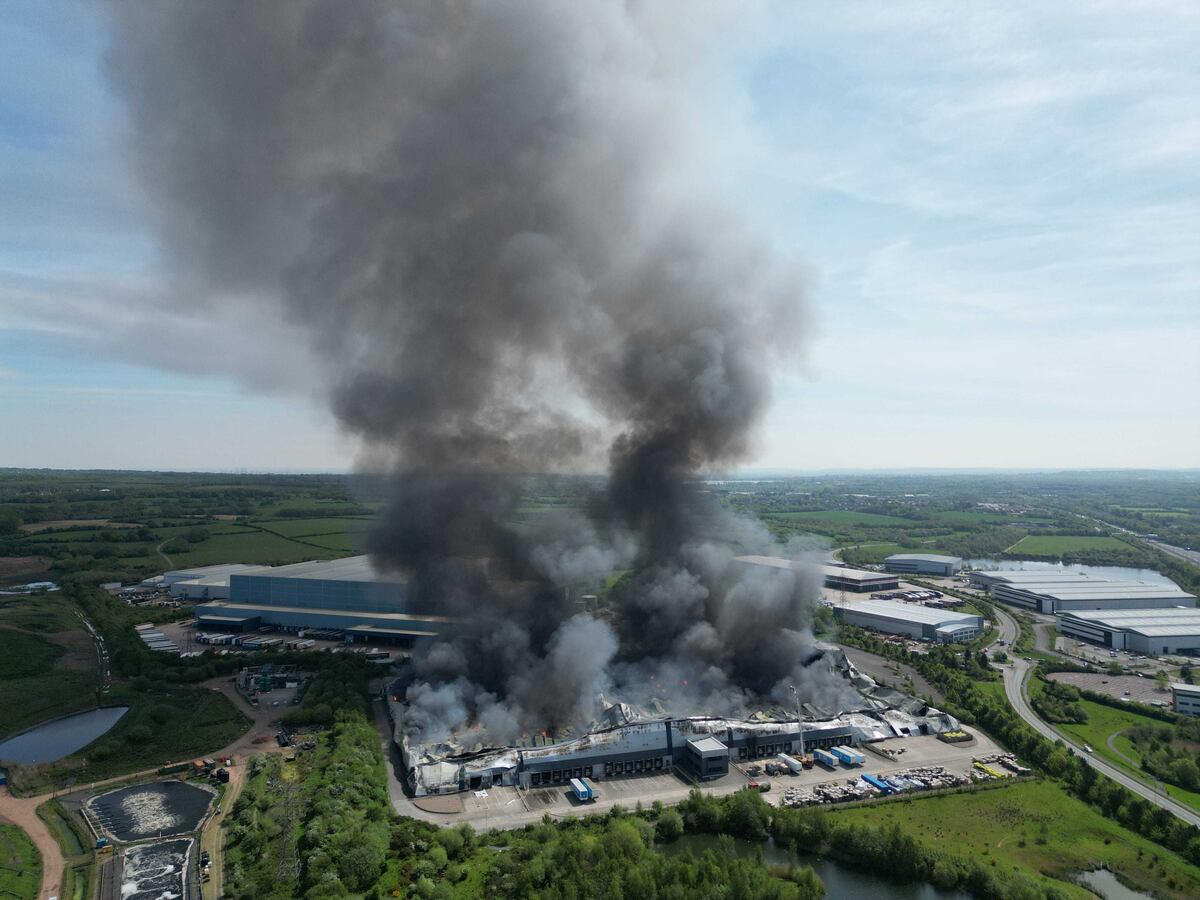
pixel 1014 688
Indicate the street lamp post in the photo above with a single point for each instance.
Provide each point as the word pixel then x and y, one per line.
pixel 799 718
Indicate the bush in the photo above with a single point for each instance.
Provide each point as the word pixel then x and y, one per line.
pixel 669 826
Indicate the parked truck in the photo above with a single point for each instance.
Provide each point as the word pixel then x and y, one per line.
pixel 825 758
pixel 582 789
pixel 794 765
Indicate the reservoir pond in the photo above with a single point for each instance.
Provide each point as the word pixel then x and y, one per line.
pixel 52 741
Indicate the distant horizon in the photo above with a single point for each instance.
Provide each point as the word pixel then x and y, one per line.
pixel 737 474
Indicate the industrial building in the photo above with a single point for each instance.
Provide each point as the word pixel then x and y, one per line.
pixel 843 578
pixel 909 619
pixel 346 595
pixel 630 743
pixel 1185 699
pixel 923 563
pixel 1052 592
pixel 203 582
pixel 1150 632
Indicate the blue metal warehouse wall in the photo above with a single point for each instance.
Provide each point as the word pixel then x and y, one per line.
pixel 360 596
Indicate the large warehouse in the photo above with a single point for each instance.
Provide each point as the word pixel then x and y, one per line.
pixel 628 741
pixel 342 594
pixel 844 578
pixel 1146 631
pixel 1051 592
pixel 203 582
pixel 912 620
pixel 923 563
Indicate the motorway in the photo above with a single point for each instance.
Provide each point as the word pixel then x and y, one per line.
pixel 1015 675
pixel 1189 556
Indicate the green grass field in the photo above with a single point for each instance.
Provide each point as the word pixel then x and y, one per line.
pixel 837 517
pixel 293 528
pixel 261 548
pixel 1038 827
pixel 1060 544
pixel 20 865
pixel 342 543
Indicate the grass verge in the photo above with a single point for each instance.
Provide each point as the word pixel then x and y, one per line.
pixel 20 865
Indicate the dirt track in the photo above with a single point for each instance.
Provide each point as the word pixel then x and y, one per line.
pixel 23 814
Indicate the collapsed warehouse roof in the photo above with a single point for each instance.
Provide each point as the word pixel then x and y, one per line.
pixel 627 738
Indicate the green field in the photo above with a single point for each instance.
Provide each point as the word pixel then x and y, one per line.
pixel 259 548
pixel 838 517
pixel 1063 544
pixel 294 528
pixel 20 865
pixel 1038 827
pixel 342 543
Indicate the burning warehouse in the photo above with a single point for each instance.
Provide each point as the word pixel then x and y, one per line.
pixel 626 741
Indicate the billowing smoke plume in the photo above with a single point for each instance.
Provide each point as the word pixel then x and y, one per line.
pixel 476 210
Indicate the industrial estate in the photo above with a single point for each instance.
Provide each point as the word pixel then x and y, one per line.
pixel 284 649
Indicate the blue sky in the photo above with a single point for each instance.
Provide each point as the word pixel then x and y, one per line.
pixel 998 207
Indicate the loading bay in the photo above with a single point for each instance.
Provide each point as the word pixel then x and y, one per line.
pixel 510 807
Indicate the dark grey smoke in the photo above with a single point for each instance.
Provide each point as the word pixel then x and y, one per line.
pixel 475 211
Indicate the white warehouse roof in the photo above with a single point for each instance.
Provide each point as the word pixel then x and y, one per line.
pixel 828 571
pixel 925 557
pixel 350 568
pixel 910 612
pixel 1168 622
pixel 223 570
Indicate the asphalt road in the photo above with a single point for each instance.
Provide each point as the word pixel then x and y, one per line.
pixel 1014 687
pixel 1191 556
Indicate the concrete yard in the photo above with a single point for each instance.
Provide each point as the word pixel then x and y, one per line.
pixel 1127 687
pixel 509 807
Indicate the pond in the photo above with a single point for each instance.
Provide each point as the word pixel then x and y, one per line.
pixel 839 880
pixel 62 737
pixel 160 808
pixel 1116 573
pixel 1105 883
